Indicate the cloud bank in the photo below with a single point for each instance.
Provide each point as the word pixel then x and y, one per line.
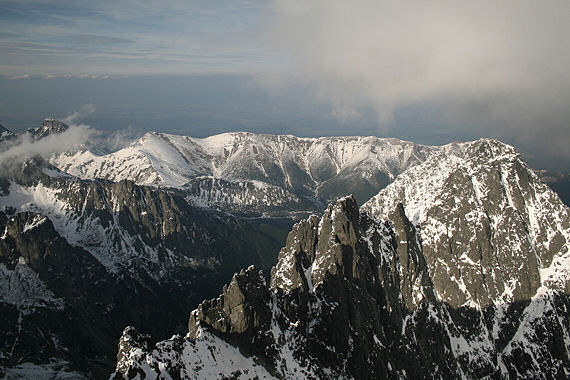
pixel 26 147
pixel 498 66
pixel 115 140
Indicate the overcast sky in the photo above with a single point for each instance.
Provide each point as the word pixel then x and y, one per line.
pixel 432 72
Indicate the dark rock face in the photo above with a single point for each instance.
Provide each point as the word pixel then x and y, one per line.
pixel 109 255
pixel 476 286
pixel 241 315
pixel 496 243
pixel 60 302
pixel 6 134
pixel 341 315
pixel 352 316
pixel 333 309
pixel 241 308
pixel 50 126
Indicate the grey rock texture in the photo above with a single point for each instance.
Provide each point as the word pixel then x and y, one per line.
pixel 459 268
pixel 57 301
pixel 495 239
pixel 49 127
pixel 241 308
pixel 333 309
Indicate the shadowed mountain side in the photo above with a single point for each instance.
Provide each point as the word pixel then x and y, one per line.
pixel 110 255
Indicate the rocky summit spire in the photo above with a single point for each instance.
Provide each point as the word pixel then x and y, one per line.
pixel 6 134
pixel 50 126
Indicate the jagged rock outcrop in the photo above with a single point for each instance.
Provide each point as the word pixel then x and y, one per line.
pixel 363 293
pixel 334 306
pixel 241 308
pixel 49 127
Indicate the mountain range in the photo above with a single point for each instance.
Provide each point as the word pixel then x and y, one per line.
pixel 456 265
pixel 250 173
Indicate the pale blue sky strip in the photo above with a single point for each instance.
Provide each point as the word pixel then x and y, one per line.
pixel 131 37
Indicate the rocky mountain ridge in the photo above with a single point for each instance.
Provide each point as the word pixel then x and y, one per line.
pixel 458 269
pixel 49 127
pixel 252 174
pixel 483 205
pixel 5 134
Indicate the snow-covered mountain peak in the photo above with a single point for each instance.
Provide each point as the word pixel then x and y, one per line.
pixel 478 205
pixel 50 126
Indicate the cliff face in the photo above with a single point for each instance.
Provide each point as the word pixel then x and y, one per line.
pixel 58 303
pixel 458 269
pixel 492 232
pixel 496 240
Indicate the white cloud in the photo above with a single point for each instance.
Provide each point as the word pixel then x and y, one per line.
pixel 26 147
pixel 16 77
pixel 115 140
pixel 390 53
pixel 85 111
